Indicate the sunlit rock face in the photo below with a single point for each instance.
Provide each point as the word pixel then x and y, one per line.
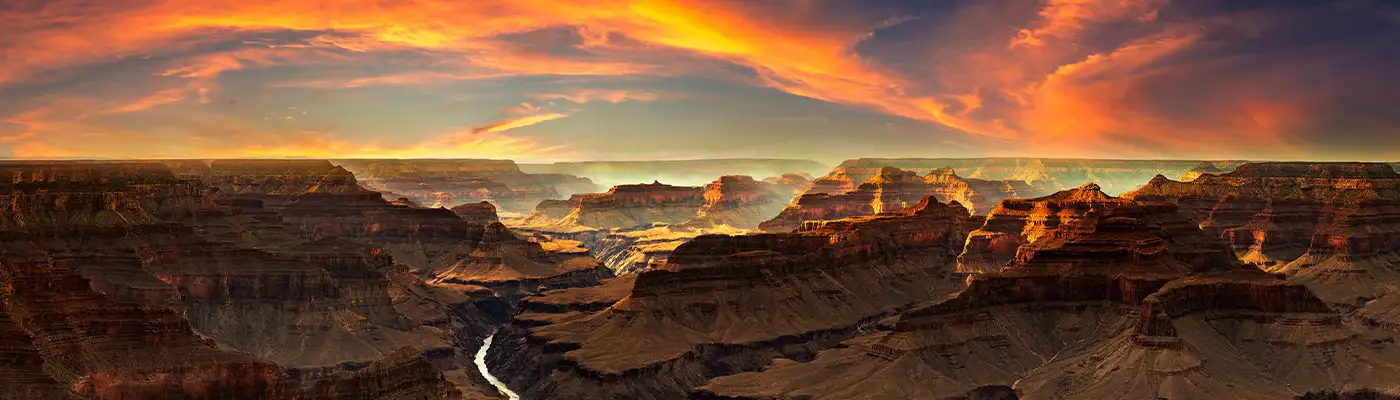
pixel 1332 226
pixel 633 228
pixel 892 189
pixel 480 212
pixel 450 183
pixel 723 304
pixel 1114 176
pixel 1125 301
pixel 1018 224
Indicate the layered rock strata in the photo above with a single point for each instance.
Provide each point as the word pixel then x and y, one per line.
pixel 1129 302
pixel 479 213
pixel 1115 176
pixel 892 189
pixel 221 252
pixel 724 304
pixel 1016 223
pixel 1331 225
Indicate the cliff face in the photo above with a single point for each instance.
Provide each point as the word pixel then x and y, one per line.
pixel 479 213
pixel 1330 225
pixel 631 206
pixel 1114 176
pixel 276 260
pixel 449 183
pixel 891 189
pixel 723 304
pixel 1023 223
pixel 401 375
pixel 111 349
pixel 742 202
pixel 510 265
pixel 1128 302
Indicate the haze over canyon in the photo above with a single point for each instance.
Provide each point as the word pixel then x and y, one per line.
pixel 699 200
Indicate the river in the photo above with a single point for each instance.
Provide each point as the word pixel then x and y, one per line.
pixel 481 366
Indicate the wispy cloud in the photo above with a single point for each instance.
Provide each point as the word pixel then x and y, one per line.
pixel 518 123
pixel 611 96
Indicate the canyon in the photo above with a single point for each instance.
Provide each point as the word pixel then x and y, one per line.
pixel 883 278
pixel 247 279
pixel 891 189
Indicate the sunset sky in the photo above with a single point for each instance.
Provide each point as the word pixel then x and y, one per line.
pixel 826 80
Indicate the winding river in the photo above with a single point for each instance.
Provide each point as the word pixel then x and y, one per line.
pixel 481 366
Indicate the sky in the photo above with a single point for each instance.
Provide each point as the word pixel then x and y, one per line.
pixel 826 80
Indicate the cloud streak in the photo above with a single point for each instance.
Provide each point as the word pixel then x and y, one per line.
pixel 1058 77
pixel 521 122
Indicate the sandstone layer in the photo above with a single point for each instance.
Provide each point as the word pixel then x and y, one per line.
pixel 243 279
pixel 1333 226
pixel 1126 302
pixel 892 189
pixel 724 304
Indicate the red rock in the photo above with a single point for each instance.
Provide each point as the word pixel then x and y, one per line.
pixel 480 213
pixel 726 303
pixel 1019 222
pixel 1130 303
pixel 1329 225
pixel 741 202
pixel 403 374
pixel 890 190
pixel 107 349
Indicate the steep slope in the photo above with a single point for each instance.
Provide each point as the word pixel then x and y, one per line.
pixel 1330 225
pixel 144 238
pixel 724 304
pixel 1018 224
pixel 632 228
pixel 1124 303
pixel 891 189
pixel 741 202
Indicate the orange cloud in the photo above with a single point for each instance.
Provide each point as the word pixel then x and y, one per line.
pixel 1038 86
pixel 611 96
pixel 518 123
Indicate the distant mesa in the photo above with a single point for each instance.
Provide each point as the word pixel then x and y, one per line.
pixel 677 172
pixel 891 189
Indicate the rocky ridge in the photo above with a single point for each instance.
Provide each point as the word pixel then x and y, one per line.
pixel 723 304
pixel 1131 301
pixel 891 189
pixel 1330 225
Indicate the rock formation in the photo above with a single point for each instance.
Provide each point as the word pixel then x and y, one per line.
pixel 678 172
pixel 283 261
pixel 1330 225
pixel 1131 301
pixel 626 207
pixel 479 213
pixel 449 183
pixel 742 202
pixel 891 189
pixel 724 304
pixel 507 264
pixel 1114 176
pixel 632 228
pixel 1016 223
